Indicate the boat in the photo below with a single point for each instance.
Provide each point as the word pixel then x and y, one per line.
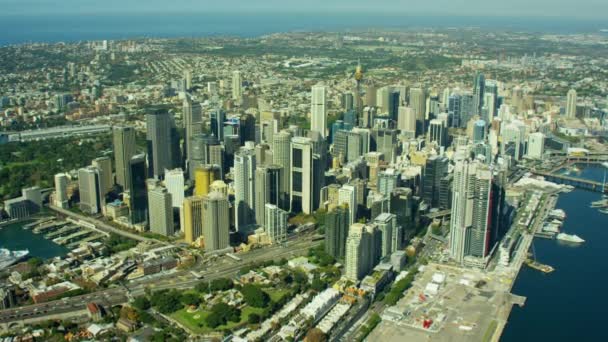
pixel 538 266
pixel 603 211
pixel 600 204
pixel 569 238
pixel 8 258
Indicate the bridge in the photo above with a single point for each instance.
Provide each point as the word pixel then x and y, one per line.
pixel 574 181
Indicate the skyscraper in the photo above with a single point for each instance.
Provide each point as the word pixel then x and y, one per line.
pixel 174 182
pixel 393 104
pixel 406 120
pixel 218 117
pixel 418 103
pixel 536 145
pixel 124 149
pixel 204 175
pixel 206 150
pixel 61 191
pixel 89 185
pixel 318 110
pixel 188 78
pixel 281 155
pixel 193 218
pixel 478 92
pixel 104 165
pixel 267 190
pixel 161 211
pixel 359 245
pixel 275 222
pixel 159 125
pixel 237 87
pixel 435 170
pixel 192 119
pixel 336 231
pixel 216 221
pixel 471 205
pixel 138 197
pixel 571 104
pixel 244 188
pixel 479 131
pixel 348 195
pixel 301 180
pixel 391 233
pixel 438 132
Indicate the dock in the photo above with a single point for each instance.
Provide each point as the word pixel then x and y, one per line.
pixel 538 266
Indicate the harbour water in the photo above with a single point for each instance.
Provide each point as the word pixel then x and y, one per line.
pixel 14 237
pixel 570 303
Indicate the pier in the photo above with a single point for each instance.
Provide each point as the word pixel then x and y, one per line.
pixel 573 181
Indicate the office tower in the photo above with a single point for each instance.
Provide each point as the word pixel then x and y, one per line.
pixel 435 170
pixel 336 231
pixel 384 140
pixel 237 90
pixel 404 205
pixel 246 128
pixel 161 211
pixel 478 92
pixel 217 119
pixel 301 180
pixel 488 111
pixel 216 222
pixel 393 105
pixel 206 150
pixel 275 222
pixel 406 120
pixel 388 180
pixel 61 191
pixel 261 151
pixel 445 192
pixel 124 148
pixel 348 195
pixel 350 119
pixel 438 132
pixel 159 125
pixel 281 155
pixel 193 218
pixel 138 196
pixel 104 165
pixel 391 234
pixel 192 119
pixel 479 131
pixel 418 103
pixel 348 101
pixel 244 188
pixel 89 186
pixel 204 175
pixel 318 110
pixel 174 182
pixel 536 145
pixel 267 190
pixel 512 140
pixel 470 220
pixel 382 99
pixel 268 129
pixel 460 109
pixel 571 104
pixel 188 78
pixel 370 95
pixel 359 250
pixel 319 164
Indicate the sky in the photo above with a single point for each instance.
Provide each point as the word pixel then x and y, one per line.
pixel 566 9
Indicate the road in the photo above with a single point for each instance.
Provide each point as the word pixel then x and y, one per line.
pixel 224 267
pixel 103 226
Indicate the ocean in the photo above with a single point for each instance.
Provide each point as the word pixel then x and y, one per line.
pixel 570 303
pixel 70 28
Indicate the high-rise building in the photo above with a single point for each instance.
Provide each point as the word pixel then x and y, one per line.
pixel 192 120
pixel 438 132
pixel 206 150
pixel 281 155
pixel 193 218
pixel 275 223
pixel 406 120
pixel 435 170
pixel 267 190
pixel 418 103
pixel 104 165
pixel 359 252
pixel 536 145
pixel 204 175
pixel 124 149
pixel 237 87
pixel 393 105
pixel 89 186
pixel 161 211
pixel 336 230
pixel 471 219
pixel 188 78
pixel 138 196
pixel 391 233
pixel 244 188
pixel 318 110
pixel 61 191
pixel 348 195
pixel 571 104
pixel 388 180
pixel 216 221
pixel 479 131
pixel 217 119
pixel 301 180
pixel 478 92
pixel 159 125
pixel 404 205
pixel 174 182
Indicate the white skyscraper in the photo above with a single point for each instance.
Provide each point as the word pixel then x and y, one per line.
pixel 161 211
pixel 418 102
pixel 216 221
pixel 406 120
pixel 244 187
pixel 358 252
pixel 89 185
pixel 348 195
pixel 104 165
pixel 275 223
pixel 318 110
pixel 237 83
pixel 571 104
pixel 536 145
pixel 174 182
pixel 61 190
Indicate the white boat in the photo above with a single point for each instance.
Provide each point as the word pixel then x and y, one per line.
pixel 569 238
pixel 8 258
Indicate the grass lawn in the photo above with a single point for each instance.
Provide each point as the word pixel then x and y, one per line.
pixel 197 325
pixel 276 294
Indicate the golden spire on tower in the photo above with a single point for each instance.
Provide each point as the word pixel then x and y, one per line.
pixel 359 72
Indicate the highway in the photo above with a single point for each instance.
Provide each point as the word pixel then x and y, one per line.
pixel 183 279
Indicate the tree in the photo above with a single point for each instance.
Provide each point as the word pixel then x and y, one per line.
pixel 166 301
pixel 221 313
pixel 129 313
pixel 254 296
pixel 141 303
pixel 221 284
pixel 317 284
pixel 315 335
pixel 254 318
pixel 190 298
